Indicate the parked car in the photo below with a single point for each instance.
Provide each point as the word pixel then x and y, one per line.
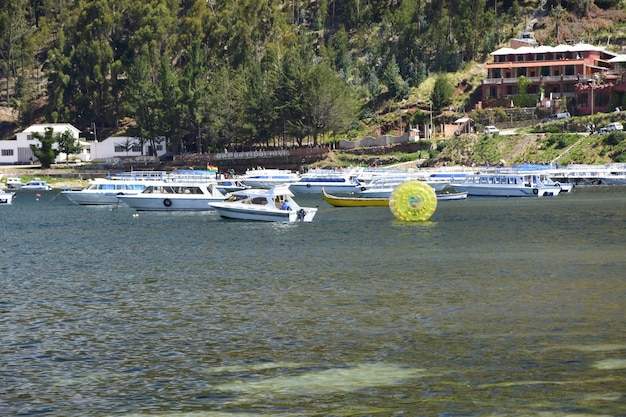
pixel 557 116
pixel 613 127
pixel 491 130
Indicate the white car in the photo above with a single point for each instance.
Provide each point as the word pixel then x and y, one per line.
pixel 613 127
pixel 491 130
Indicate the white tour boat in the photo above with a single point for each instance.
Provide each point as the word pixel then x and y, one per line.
pixel 6 197
pixel 13 183
pixel 565 186
pixel 505 185
pixel 229 185
pixel 175 196
pixel 268 178
pixel 275 205
pixel 330 180
pixel 36 184
pixel 382 186
pixel 104 191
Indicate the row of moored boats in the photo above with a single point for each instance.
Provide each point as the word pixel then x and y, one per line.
pixel 268 194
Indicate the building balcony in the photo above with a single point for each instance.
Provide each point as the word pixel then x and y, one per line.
pixel 535 80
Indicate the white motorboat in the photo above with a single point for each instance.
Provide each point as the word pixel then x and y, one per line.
pixel 229 185
pixel 275 205
pixel 330 180
pixel 6 198
pixel 104 191
pixel 175 196
pixel 614 174
pixel 268 178
pixel 505 185
pixel 382 186
pixel 565 186
pixel 13 183
pixel 36 184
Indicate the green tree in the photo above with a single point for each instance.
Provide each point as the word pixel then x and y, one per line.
pixel 68 144
pixel 257 97
pixel 293 90
pixel 24 98
pixel 144 98
pixel 398 88
pixel 13 30
pixel 330 103
pixel 195 89
pixel 522 98
pixel 45 152
pixel 441 95
pixel 168 126
pixel 374 88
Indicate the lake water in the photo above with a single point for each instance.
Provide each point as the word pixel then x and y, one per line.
pixel 495 307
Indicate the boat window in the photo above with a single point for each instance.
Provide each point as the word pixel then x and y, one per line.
pixel 236 197
pixel 259 200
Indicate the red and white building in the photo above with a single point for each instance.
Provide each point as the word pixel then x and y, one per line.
pixel 579 77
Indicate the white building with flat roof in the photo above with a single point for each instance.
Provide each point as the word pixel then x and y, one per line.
pixel 112 149
pixel 17 151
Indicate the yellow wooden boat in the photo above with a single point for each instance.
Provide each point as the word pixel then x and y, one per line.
pixel 341 201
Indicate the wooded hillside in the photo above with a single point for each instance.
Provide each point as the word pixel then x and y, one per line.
pixel 204 75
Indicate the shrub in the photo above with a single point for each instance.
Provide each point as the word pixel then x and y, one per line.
pixel 614 138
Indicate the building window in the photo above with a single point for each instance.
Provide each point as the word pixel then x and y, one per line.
pixel 496 73
pixel 520 58
pixel 7 152
pixel 545 71
pixel 570 70
pixel 136 148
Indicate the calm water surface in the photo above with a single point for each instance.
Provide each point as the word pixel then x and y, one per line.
pixel 501 307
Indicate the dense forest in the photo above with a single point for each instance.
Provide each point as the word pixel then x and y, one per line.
pixel 205 75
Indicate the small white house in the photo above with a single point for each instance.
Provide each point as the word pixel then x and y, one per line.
pixel 112 149
pixel 115 148
pixel 18 151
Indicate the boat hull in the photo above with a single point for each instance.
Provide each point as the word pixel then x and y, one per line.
pixel 338 201
pixel 6 198
pixel 452 196
pixel 490 191
pixel 143 202
pixel 232 211
pixel 308 188
pixel 83 198
pixel 383 189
